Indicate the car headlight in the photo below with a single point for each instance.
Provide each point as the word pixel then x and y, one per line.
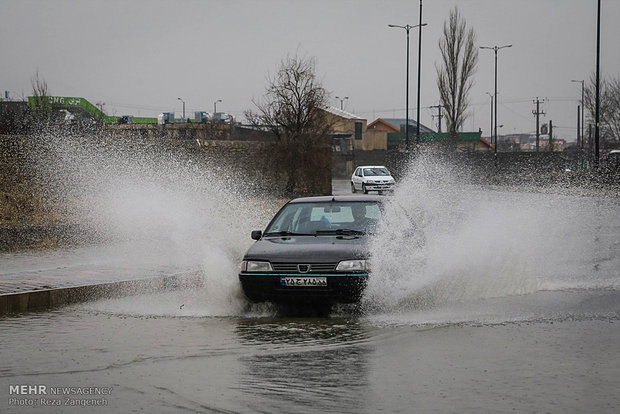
pixel 352 265
pixel 254 266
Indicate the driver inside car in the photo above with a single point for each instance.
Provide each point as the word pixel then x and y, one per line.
pixel 361 221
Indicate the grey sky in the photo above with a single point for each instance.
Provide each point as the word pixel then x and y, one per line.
pixel 139 56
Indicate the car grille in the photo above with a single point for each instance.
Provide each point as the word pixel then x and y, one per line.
pixel 293 267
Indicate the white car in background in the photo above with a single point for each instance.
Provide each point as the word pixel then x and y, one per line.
pixel 372 178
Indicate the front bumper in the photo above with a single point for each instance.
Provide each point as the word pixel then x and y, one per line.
pixel 379 187
pixel 341 288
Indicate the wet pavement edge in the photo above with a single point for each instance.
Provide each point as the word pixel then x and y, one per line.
pixel 49 298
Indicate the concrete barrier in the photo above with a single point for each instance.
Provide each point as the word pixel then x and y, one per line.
pixel 51 298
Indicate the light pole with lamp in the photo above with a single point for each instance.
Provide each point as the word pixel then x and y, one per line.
pixel 341 101
pixel 215 106
pixel 407 28
pixel 495 48
pixel 417 128
pixel 183 108
pixel 597 92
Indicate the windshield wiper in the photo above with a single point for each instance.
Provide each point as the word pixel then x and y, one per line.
pixel 344 232
pixel 287 233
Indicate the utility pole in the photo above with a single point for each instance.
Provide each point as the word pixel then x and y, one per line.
pixel 537 114
pixel 439 115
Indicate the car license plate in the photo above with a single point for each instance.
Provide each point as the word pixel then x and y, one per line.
pixel 303 281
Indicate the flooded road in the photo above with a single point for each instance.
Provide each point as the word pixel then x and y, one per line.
pixel 553 351
pixel 480 301
pixel 516 311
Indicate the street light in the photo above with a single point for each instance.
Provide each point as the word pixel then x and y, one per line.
pixel 417 128
pixel 341 101
pixel 495 48
pixel 407 28
pixel 491 130
pixel 215 106
pixel 183 108
pixel 597 97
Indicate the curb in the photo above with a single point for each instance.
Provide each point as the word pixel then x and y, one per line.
pixel 50 298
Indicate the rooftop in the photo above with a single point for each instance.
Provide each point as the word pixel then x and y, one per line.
pixel 343 114
pixel 398 122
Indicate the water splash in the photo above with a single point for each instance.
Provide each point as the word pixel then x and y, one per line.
pixel 442 242
pixel 163 204
pixel 445 242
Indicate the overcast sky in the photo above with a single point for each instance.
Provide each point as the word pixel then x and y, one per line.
pixel 139 56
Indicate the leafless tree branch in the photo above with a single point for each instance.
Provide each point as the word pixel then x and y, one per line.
pixel 455 73
pixel 293 109
pixel 609 109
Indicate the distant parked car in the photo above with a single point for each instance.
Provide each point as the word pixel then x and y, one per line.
pixel 372 178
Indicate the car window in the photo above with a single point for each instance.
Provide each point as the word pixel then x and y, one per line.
pixel 286 220
pixel 373 211
pixel 308 218
pixel 369 172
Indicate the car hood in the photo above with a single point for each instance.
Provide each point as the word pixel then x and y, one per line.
pixel 308 249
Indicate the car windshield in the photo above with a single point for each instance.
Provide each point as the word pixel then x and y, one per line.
pixel 375 171
pixel 352 217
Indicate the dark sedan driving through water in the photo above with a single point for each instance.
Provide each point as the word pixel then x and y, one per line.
pixel 313 251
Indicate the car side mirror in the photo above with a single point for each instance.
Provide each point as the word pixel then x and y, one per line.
pixel 257 234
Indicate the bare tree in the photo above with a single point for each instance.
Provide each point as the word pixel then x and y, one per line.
pixel 293 110
pixel 609 109
pixel 454 75
pixel 42 106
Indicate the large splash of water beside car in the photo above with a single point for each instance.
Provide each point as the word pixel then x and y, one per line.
pixel 153 202
pixel 445 242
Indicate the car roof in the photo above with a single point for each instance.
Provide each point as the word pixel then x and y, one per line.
pixel 329 199
pixel 372 166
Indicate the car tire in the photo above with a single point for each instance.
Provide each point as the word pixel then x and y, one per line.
pixel 353 188
pixel 364 189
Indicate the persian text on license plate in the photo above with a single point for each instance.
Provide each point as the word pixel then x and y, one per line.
pixel 303 281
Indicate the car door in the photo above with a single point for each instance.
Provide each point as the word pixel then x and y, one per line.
pixel 361 178
pixel 355 179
